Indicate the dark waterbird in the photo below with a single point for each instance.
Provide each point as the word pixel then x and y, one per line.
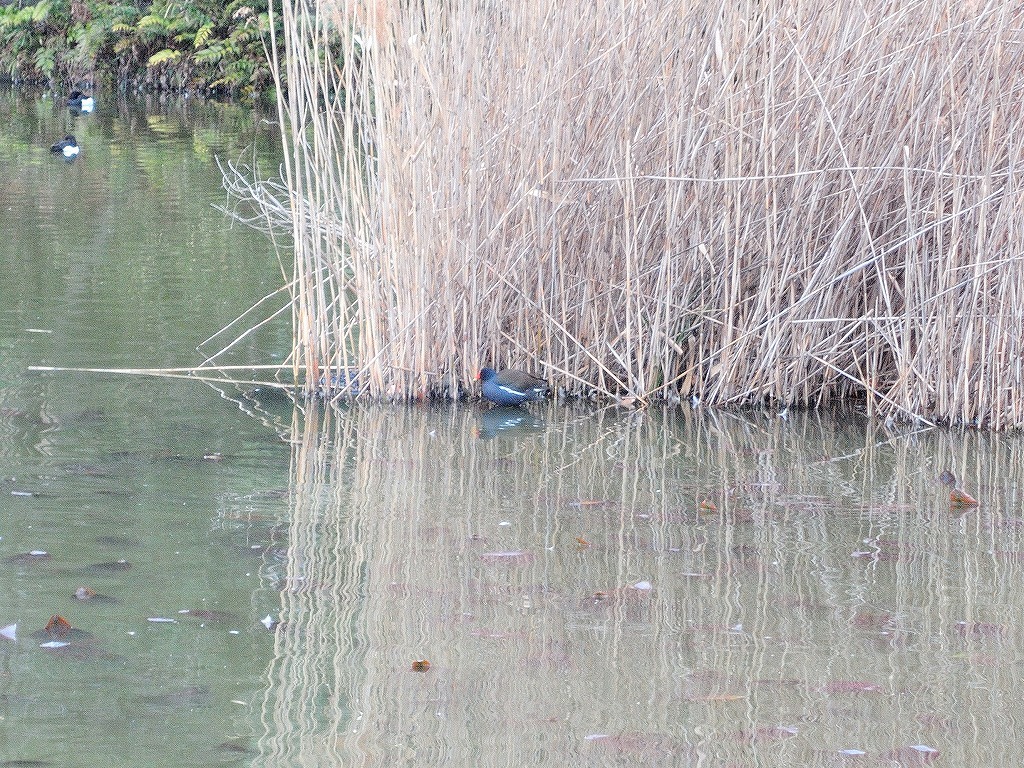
pixel 79 102
pixel 68 147
pixel 511 387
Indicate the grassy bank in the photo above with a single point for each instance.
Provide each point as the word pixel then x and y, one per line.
pixel 202 47
pixel 741 203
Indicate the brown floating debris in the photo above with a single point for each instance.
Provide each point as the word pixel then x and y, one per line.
pixel 959 499
pixel 88 594
pixel 420 665
pixel 708 506
pixel 57 626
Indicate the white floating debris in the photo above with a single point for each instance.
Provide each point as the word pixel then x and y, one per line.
pixel 852 752
pixel 643 585
pixel 924 749
pixel 39 553
pixel 10 632
pixel 161 620
pixel 54 644
pixel 268 621
pixel 21 493
pixel 38 330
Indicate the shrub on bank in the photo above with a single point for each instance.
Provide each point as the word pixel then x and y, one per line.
pixel 201 45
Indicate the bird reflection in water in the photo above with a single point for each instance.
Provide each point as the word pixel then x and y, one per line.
pixel 508 420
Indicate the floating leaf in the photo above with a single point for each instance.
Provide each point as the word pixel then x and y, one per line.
pixel 960 498
pixel 57 626
pixel 708 506
pixel 584 544
pixel 420 665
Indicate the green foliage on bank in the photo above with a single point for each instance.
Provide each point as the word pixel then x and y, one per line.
pixel 197 45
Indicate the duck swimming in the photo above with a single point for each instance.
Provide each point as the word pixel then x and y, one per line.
pixel 66 146
pixel 80 102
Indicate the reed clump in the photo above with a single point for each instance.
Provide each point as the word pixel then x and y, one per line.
pixel 737 202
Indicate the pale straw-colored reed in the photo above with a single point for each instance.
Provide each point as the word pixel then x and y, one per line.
pixel 744 203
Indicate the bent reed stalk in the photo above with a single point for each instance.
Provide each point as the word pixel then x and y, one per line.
pixel 737 202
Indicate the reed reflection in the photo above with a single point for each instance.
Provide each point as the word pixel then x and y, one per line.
pixel 660 587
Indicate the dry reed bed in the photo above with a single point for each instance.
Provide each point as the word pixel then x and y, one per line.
pixel 743 203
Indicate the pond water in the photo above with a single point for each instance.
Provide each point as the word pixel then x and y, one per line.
pixel 456 585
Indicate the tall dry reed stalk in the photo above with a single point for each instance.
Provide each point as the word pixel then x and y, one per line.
pixel 738 202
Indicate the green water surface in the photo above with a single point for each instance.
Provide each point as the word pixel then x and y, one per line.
pixel 456 585
pixel 119 259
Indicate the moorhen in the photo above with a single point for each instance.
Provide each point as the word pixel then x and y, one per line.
pixel 511 387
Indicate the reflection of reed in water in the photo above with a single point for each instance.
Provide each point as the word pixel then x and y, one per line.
pixel 649 587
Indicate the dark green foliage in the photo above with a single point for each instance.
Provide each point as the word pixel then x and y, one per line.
pixel 199 45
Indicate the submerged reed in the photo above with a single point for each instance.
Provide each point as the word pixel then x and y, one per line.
pixel 736 202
